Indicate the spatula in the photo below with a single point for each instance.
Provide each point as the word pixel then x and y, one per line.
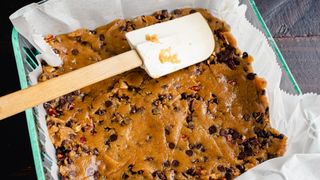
pixel 159 49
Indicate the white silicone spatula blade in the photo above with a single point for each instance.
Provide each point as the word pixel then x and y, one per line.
pixel 183 41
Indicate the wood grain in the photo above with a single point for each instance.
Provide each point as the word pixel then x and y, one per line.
pixel 295 25
pixel 291 18
pixel 303 58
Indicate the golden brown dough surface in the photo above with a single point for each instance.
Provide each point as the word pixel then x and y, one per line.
pixel 207 121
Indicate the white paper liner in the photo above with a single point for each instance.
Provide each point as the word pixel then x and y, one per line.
pixel 298 117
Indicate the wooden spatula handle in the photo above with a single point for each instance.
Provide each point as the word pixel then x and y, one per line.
pixel 19 101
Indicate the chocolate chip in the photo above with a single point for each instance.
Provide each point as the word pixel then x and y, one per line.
pixel 175 163
pixel 133 110
pixel 228 54
pixel 113 137
pixel 205 159
pixel 214 99
pixel 191 109
pixel 78 38
pixel 191 171
pixel 212 129
pixel 122 28
pixel 62 102
pixel 190 125
pixel 100 112
pixel 263 92
pixel 56 51
pixel 223 132
pixel 245 55
pixel 246 117
pixel 251 76
pixel 235 135
pixel 241 168
pixel 280 136
pixel 148 138
pixel 160 174
pixel 140 172
pixel 184 96
pixel 189 118
pixel 267 111
pixel 231 64
pixel 124 176
pixel 130 166
pixel 192 11
pixel 196 96
pixel 164 86
pixel 219 35
pixel 165 13
pixel 260 119
pixel 266 142
pixel 95 152
pixel 74 52
pixel 167 131
pixel 254 141
pixel 194 161
pixel 107 142
pixel 261 133
pixel 69 123
pixel 171 145
pixel 260 159
pixel 256 114
pixel 200 147
pixel 241 155
pixel 176 109
pixel 213 62
pixel 236 62
pixel 228 170
pixel 221 168
pixel 156 103
pixel 44 63
pixel 177 11
pixel 93 32
pixel 148 158
pixel 161 97
pixel 101 37
pixel 228 176
pixel 189 152
pixel 108 103
pixel 84 43
pixel 191 146
pixel 166 163
pixel 50 123
pixel 248 150
pixel 271 156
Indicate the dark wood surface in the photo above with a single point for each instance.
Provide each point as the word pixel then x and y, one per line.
pixel 295 24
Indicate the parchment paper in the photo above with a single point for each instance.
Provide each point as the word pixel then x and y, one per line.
pixel 298 117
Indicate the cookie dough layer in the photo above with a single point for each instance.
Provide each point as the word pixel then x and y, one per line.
pixel 207 121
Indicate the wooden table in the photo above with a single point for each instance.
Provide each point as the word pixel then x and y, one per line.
pixel 295 24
